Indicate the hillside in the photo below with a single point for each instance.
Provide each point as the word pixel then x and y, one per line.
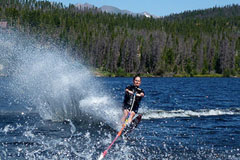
pixel 216 12
pixel 191 43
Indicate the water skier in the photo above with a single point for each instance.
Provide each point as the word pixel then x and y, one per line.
pixel 132 99
pixel 129 99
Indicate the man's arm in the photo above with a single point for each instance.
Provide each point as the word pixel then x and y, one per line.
pixel 140 94
pixel 127 90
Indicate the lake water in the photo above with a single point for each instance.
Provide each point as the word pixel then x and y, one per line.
pixel 183 118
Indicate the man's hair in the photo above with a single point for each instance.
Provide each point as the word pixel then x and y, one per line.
pixel 136 77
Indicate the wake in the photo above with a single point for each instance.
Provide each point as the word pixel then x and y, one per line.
pixel 159 114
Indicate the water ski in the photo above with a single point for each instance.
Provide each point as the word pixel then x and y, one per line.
pixel 129 128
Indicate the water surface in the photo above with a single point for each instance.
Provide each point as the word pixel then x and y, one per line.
pixel 183 118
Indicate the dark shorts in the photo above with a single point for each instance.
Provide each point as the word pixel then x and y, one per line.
pixel 129 107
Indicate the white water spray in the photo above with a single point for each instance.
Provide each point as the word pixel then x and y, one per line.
pixel 52 83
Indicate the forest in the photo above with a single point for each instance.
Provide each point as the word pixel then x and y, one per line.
pixel 201 42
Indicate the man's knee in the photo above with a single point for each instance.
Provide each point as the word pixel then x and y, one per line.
pixel 132 114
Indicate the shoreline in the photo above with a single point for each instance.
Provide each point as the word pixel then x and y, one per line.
pixel 99 73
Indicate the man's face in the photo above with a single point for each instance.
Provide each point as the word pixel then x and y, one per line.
pixel 137 81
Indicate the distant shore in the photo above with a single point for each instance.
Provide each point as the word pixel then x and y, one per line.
pixel 99 73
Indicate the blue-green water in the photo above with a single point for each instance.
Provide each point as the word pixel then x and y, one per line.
pixel 183 118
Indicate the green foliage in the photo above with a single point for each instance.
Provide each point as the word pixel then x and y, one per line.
pixel 217 64
pixel 237 62
pixel 226 73
pixel 159 72
pixel 175 70
pixel 124 44
pixel 121 73
pixel 12 12
pixel 204 71
pixel 188 67
pixel 169 56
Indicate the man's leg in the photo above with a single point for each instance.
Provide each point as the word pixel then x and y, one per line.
pixel 131 117
pixel 125 114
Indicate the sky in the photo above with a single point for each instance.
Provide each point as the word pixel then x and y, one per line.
pixel 155 7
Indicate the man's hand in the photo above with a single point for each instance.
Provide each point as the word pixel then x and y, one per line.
pixel 131 92
pixel 140 95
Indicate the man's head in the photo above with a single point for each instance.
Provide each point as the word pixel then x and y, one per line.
pixel 137 80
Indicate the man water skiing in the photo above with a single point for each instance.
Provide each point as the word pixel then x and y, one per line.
pixel 132 99
pixel 129 99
